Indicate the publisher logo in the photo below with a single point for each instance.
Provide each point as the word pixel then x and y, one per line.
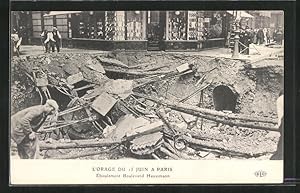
pixel 260 173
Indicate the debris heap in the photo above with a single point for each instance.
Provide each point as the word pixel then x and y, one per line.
pixel 110 109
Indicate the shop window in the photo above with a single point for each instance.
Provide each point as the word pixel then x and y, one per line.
pixel 134 25
pixel 212 24
pixel 115 25
pixel 195 25
pixel 89 25
pixel 177 22
pixel 120 25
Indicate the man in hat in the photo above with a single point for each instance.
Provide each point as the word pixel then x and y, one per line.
pixel 44 36
pixel 57 38
pixel 247 39
pixel 49 41
pixel 25 123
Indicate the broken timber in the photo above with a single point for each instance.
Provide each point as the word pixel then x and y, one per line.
pixel 228 152
pixel 136 73
pixel 218 116
pixel 79 144
pixel 147 129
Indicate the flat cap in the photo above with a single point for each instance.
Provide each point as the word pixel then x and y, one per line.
pixel 53 104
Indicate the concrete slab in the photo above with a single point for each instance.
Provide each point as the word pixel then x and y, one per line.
pixel 73 79
pixel 103 103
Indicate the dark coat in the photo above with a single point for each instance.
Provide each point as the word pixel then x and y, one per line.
pixel 22 123
pixel 260 34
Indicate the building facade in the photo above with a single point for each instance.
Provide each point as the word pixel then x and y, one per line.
pixel 133 30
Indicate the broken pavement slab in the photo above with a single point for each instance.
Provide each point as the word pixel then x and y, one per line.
pixel 70 68
pixel 112 62
pixel 184 67
pixel 103 103
pixel 120 87
pixel 127 124
pixel 73 79
pixel 97 67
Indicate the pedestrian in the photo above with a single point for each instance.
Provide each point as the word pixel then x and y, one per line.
pixel 278 155
pixel 275 35
pixel 268 36
pixel 247 40
pixel 242 40
pixel 265 35
pixel 254 36
pixel 15 42
pixel 49 42
pixel 23 34
pixel 44 35
pixel 279 35
pixel 260 36
pixel 57 38
pixel 25 123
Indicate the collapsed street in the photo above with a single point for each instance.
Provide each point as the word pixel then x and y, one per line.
pixel 149 105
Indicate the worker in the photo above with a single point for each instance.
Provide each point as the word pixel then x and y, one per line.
pixel 25 123
pixel 278 155
pixel 57 38
pixel 49 41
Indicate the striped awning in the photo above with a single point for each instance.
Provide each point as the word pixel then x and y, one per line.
pixel 241 14
pixel 52 13
pixel 265 13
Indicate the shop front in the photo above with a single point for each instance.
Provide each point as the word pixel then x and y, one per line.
pixel 136 30
pixel 149 30
pixel 195 30
pixel 109 30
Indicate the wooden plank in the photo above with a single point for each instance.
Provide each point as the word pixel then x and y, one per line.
pixel 218 116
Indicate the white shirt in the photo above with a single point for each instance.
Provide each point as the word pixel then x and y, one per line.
pixel 49 37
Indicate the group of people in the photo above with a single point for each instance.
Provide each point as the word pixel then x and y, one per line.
pixel 264 36
pixel 245 39
pixel 51 40
pixel 260 36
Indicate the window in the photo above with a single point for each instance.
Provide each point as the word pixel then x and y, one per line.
pixel 134 25
pixel 212 24
pixel 177 25
pixel 195 25
pixel 89 24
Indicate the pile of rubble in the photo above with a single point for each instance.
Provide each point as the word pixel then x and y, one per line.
pixel 110 110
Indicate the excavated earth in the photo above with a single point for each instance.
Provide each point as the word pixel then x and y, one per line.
pixel 254 92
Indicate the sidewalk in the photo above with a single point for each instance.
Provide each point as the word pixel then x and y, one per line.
pixel 27 50
pixel 257 52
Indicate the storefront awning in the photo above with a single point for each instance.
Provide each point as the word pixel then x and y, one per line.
pixel 241 14
pixel 265 13
pixel 52 13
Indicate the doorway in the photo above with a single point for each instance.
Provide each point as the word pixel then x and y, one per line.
pixel 156 21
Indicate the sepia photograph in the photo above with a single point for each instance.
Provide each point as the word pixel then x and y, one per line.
pixel 147 85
